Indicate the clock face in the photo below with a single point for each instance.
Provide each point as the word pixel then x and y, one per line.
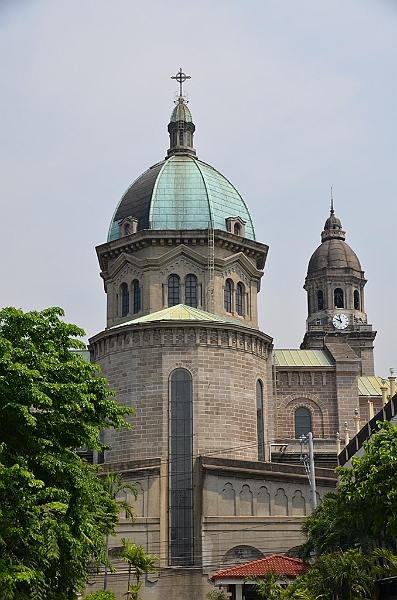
pixel 340 321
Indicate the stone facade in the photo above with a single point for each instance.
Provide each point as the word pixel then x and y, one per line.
pixel 214 450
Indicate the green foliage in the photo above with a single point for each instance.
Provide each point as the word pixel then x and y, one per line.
pixel 336 524
pixel 372 481
pixel 102 595
pixel 218 594
pixel 114 484
pixel 363 510
pixel 341 576
pixel 54 510
pixel 138 561
pixel 268 587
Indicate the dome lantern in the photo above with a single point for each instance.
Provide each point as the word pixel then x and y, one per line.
pixel 181 127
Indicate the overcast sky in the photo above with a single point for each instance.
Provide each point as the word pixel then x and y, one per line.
pixel 289 97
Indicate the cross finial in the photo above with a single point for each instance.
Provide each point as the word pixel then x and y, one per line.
pixel 180 77
pixel 332 203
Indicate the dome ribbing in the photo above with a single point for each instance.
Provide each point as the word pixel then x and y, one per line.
pixel 181 192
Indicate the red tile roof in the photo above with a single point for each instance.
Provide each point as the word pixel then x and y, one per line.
pixel 283 565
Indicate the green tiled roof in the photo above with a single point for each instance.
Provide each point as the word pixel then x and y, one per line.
pixel 302 358
pixel 370 386
pixel 181 312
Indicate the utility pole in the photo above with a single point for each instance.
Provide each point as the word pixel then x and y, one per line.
pixel 308 462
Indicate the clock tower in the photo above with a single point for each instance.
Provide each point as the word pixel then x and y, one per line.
pixel 335 297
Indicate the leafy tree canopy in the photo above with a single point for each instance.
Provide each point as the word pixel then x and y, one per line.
pixel 363 510
pixel 54 510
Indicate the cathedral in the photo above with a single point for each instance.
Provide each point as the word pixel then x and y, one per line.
pixel 215 450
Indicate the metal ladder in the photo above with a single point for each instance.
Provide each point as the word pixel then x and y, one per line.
pixel 211 267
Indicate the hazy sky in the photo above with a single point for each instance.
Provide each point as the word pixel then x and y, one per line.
pixel 289 97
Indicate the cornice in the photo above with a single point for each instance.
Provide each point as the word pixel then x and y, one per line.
pixel 180 334
pixel 153 237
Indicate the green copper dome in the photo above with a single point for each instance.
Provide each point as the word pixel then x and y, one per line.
pixel 181 113
pixel 181 192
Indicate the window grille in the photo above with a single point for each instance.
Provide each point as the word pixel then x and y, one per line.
pixel 191 291
pixel 239 298
pixel 137 296
pixel 125 300
pixel 260 424
pixel 303 422
pixel 181 469
pixel 227 294
pixel 173 290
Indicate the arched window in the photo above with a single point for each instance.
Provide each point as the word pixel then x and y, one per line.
pixel 260 422
pixel 227 295
pixel 320 300
pixel 356 299
pixel 237 229
pixel 303 422
pixel 239 298
pixel 127 229
pixel 191 290
pixel 173 290
pixel 181 469
pixel 338 298
pixel 125 300
pixel 137 296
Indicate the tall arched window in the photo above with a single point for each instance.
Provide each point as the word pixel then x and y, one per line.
pixel 260 421
pixel 191 290
pixel 356 299
pixel 227 295
pixel 338 298
pixel 137 296
pixel 181 469
pixel 125 300
pixel 237 229
pixel 239 298
pixel 320 300
pixel 303 422
pixel 173 290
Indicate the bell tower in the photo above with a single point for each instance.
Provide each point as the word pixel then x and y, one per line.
pixel 335 297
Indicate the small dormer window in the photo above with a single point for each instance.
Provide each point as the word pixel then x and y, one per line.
pixel 128 226
pixel 236 225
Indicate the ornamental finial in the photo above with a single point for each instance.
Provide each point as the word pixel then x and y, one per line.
pixel 181 78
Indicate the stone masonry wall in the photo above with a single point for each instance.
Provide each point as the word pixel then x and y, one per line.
pixel 225 363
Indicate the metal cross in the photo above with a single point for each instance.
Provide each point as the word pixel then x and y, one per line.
pixel 180 77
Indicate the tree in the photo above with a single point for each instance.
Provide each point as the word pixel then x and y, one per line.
pixel 341 576
pixel 372 481
pixel 363 511
pixel 334 525
pixel 101 595
pixel 268 587
pixel 114 484
pixel 139 561
pixel 54 510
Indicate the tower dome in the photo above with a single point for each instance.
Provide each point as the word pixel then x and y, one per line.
pixel 333 251
pixel 181 192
